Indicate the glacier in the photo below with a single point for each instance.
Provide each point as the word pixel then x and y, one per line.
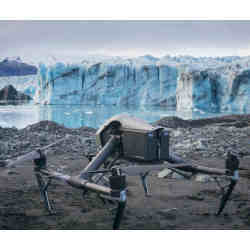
pixel 181 82
pixel 107 83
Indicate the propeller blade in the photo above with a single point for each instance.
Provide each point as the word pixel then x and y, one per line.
pixel 29 156
pixel 32 155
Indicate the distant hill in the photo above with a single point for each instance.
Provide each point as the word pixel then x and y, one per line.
pixel 15 67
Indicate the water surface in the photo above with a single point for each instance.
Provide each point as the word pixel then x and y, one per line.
pixel 75 116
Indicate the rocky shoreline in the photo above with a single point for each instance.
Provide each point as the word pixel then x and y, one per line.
pixel 211 137
pixel 203 138
pixel 175 204
pixel 15 142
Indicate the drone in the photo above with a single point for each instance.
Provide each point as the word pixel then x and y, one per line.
pixel 145 147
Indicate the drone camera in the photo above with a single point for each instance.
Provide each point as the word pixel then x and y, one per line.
pixel 139 140
pixel 147 145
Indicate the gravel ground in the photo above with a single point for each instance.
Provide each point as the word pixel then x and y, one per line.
pixel 175 204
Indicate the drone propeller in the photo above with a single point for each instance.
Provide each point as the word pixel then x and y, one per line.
pixel 33 154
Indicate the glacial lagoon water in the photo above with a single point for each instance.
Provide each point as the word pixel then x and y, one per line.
pixel 75 116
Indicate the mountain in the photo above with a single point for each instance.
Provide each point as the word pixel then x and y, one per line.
pixel 15 67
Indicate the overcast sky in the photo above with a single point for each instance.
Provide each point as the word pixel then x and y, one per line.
pixel 124 38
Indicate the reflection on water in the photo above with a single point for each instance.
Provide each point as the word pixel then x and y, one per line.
pixel 18 116
pixel 75 116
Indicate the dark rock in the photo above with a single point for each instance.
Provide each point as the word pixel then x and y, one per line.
pixel 194 197
pixel 9 93
pixel 206 214
pixel 12 172
pixel 172 122
pixel 238 121
pixel 168 214
pixel 4 147
pixel 3 164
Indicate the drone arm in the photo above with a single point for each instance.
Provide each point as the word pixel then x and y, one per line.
pixel 192 166
pixel 116 191
pixel 232 166
pixel 145 183
pixel 80 183
pixel 33 154
pixel 120 210
pixel 43 190
pixel 77 182
pixel 100 158
pixel 226 196
pixel 142 169
pixel 231 171
pixel 199 169
pixel 30 156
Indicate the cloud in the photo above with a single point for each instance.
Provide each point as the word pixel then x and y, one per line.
pixel 124 38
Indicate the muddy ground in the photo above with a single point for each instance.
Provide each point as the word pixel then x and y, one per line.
pixel 174 204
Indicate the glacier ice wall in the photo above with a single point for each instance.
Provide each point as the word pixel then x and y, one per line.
pixel 108 84
pixel 187 83
pixel 214 90
pixel 198 90
pixel 239 98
